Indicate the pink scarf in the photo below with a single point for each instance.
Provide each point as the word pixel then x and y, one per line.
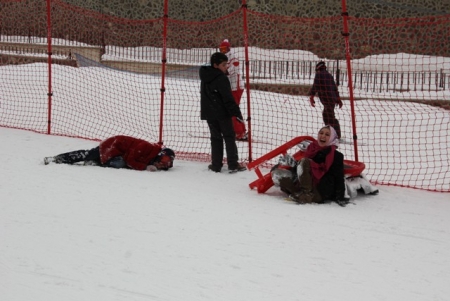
pixel 319 169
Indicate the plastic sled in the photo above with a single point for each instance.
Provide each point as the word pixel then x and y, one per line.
pixel 354 179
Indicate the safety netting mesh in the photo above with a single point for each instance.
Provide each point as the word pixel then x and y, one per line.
pixel 111 75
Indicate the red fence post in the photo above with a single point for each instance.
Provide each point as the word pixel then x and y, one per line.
pixel 49 52
pixel 163 68
pixel 346 34
pixel 247 80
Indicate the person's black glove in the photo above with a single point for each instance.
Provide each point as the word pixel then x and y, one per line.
pixel 339 103
pixel 342 202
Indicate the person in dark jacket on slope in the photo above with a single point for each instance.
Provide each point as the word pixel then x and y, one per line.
pixel 326 87
pixel 217 108
pixel 319 176
pixel 120 152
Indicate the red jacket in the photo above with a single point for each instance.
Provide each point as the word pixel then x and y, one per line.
pixel 137 153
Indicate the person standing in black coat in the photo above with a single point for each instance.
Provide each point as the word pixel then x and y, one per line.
pixel 326 87
pixel 217 108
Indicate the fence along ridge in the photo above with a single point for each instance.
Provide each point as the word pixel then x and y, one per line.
pixel 366 80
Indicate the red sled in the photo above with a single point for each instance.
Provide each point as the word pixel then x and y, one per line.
pixel 352 169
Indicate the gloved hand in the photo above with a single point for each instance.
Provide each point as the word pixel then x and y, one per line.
pixel 311 101
pixel 116 162
pixel 151 168
pixel 339 102
pixel 287 160
pixel 343 202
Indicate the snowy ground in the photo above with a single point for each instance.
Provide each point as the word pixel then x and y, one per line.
pixel 87 233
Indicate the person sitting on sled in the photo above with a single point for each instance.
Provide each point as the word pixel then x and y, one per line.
pixel 316 178
pixel 121 152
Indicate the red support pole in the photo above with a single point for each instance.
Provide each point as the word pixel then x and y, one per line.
pixel 49 62
pixel 346 35
pixel 247 80
pixel 163 69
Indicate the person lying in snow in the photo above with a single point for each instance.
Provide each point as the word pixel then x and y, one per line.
pixel 316 178
pixel 120 152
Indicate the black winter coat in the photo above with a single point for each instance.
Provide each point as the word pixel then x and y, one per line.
pixel 216 102
pixel 325 86
pixel 332 185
